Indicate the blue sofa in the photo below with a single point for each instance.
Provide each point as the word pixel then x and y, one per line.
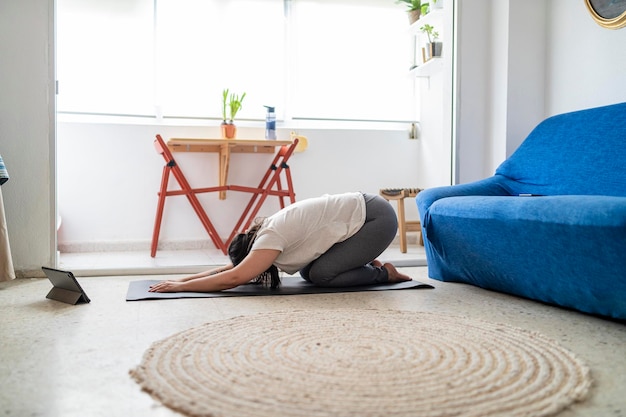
pixel 566 243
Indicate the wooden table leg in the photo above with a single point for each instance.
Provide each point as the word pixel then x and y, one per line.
pixel 224 162
pixel 401 224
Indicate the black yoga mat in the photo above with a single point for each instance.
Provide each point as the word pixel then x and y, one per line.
pixel 138 290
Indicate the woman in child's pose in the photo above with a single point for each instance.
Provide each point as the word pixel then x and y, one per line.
pixel 332 240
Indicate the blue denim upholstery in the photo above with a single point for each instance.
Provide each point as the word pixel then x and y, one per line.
pixel 566 247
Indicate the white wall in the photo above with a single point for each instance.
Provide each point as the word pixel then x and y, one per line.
pixel 26 129
pixel 526 69
pixel 586 63
pixel 543 58
pixel 501 78
pixel 109 176
pixel 473 77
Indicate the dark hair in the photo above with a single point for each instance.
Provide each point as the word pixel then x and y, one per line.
pixel 240 247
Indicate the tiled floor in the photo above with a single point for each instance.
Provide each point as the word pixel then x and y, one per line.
pixel 59 360
pixel 188 261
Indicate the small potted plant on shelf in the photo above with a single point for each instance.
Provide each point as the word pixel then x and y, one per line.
pixel 232 102
pixel 415 9
pixel 433 48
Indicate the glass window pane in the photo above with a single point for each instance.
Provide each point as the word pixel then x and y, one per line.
pixel 344 59
pixel 207 46
pixel 105 56
pixel 352 61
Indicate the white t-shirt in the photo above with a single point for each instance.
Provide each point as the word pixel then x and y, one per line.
pixel 306 229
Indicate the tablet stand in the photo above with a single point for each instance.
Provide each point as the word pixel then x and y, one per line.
pixel 66 296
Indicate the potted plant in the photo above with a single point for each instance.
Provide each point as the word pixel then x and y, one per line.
pixel 433 48
pixel 415 9
pixel 232 102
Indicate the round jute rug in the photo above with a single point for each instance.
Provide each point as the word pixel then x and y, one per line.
pixel 361 363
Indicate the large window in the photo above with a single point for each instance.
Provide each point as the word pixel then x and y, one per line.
pixel 105 56
pixel 311 59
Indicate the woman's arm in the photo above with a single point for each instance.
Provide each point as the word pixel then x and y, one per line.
pixel 205 273
pixel 253 265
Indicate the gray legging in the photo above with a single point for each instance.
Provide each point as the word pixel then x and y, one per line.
pixel 348 263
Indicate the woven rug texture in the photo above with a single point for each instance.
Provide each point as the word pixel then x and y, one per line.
pixel 361 363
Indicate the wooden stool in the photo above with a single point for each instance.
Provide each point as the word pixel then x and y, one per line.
pixel 399 194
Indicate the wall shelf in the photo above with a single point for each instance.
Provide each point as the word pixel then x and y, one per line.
pixel 434 65
pixel 428 68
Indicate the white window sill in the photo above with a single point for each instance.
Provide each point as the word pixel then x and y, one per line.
pixel 193 122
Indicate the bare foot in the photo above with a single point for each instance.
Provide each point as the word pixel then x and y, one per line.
pixel 394 275
pixel 376 263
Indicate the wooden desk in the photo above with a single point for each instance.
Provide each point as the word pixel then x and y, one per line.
pixel 270 184
pixel 225 147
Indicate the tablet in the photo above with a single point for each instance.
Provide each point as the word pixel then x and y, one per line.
pixel 65 288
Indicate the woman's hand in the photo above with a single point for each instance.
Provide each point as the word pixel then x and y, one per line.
pixel 166 286
pixel 254 264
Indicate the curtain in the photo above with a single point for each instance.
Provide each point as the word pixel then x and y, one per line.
pixel 6 264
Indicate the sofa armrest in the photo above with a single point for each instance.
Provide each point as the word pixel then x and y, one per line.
pixel 492 186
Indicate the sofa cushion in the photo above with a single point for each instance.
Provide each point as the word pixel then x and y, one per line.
pixel 563 250
pixel 582 152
